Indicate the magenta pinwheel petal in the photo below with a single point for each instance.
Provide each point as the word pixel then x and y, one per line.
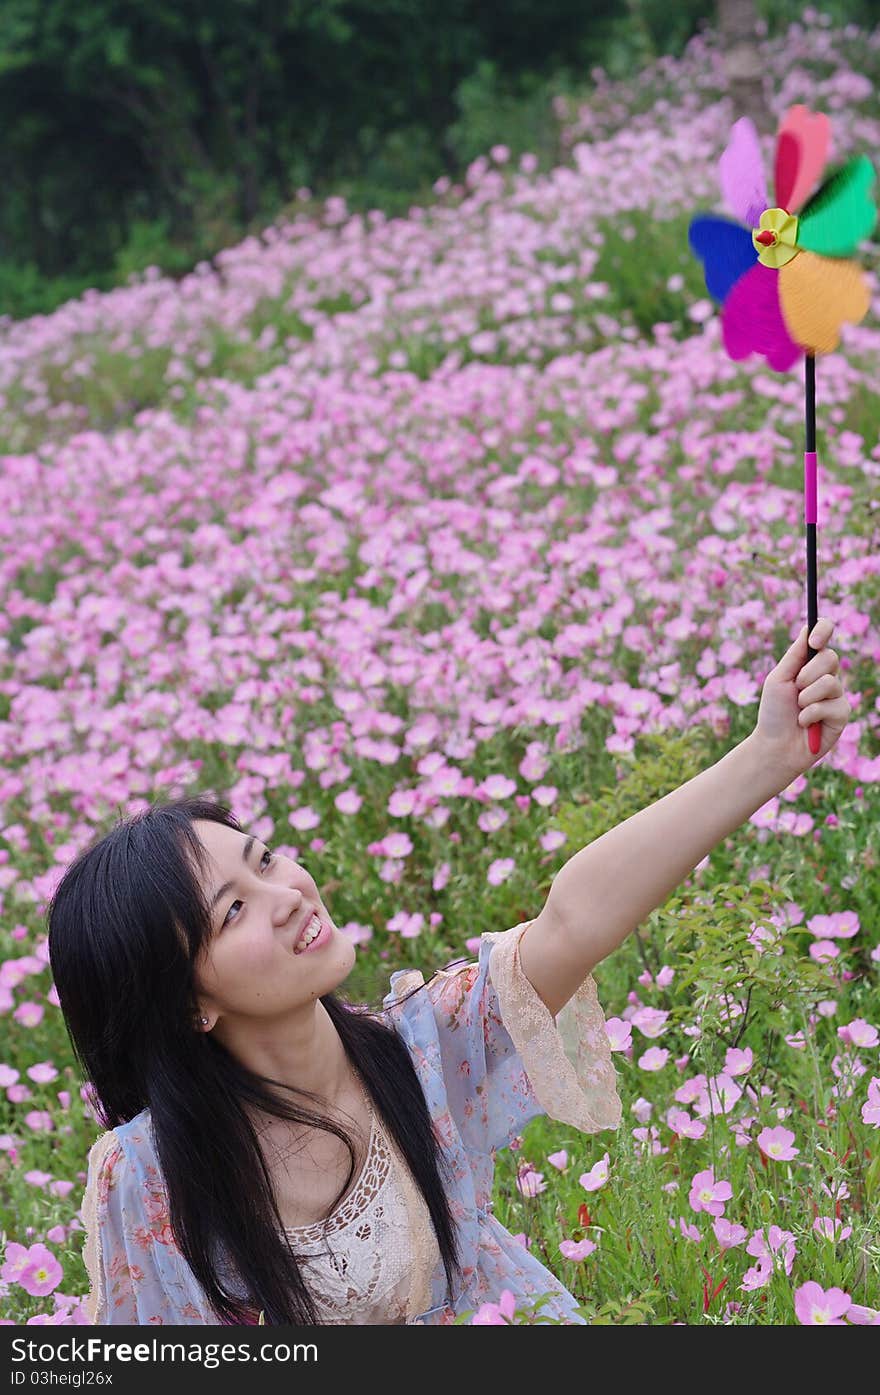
pixel 741 172
pixel 752 323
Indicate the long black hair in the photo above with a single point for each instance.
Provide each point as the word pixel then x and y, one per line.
pixel 126 925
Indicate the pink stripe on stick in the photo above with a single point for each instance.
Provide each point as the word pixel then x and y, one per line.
pixel 810 507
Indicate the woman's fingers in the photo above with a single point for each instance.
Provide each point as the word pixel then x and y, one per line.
pixel 821 632
pixel 826 661
pixel 828 686
pixel 836 712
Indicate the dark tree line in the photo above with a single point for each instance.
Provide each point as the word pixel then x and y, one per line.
pixel 197 120
pixel 116 110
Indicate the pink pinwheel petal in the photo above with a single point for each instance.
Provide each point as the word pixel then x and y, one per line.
pixel 741 173
pixel 752 323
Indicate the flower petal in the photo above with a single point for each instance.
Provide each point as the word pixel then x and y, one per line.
pixel 819 294
pixel 752 323
pixel 841 213
pixel 802 147
pixel 741 173
pixel 725 249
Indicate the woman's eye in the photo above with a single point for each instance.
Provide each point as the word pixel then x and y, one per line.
pixel 238 903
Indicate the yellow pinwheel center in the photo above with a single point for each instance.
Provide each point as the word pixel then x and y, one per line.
pixel 775 238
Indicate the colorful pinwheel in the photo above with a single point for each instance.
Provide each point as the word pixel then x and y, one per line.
pixel 784 280
pixel 784 288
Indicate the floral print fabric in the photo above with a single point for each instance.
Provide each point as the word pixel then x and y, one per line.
pixel 490 1058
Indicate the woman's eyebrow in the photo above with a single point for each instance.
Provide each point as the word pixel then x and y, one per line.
pixel 227 886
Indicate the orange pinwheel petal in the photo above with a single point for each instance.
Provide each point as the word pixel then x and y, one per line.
pixel 819 294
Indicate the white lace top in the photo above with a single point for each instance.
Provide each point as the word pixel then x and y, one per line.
pixel 372 1259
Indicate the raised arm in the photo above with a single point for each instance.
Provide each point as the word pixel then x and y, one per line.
pixel 609 888
pixel 606 890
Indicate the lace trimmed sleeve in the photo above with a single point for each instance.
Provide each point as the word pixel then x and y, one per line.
pixel 104 1250
pixel 487 1049
pixel 567 1059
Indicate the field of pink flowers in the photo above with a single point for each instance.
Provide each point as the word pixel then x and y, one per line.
pixel 436 546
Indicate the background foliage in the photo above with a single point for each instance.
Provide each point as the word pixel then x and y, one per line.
pixel 139 135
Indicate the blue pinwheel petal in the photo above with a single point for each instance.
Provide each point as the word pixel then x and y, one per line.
pixel 725 249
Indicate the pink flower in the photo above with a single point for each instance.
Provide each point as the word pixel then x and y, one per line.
pixel 576 1249
pixel 39 1120
pixel 619 1034
pixel 777 1144
pixel 708 1195
pixel 758 1275
pixel 558 1160
pixel 529 1181
pixel 597 1176
pixel 859 1033
pixel 832 1228
pixel 871 1107
pixel 42 1273
pixel 863 1317
pixel 29 1014
pixel 654 1058
pixel 823 951
pixel 691 1090
pixel 778 1244
pixel 649 1140
pixel 690 1232
pixel 42 1072
pixel 651 1022
pixel 728 1234
pixel 814 1307
pixel 496 1314
pixel 723 1093
pixel 681 1123
pixel 842 925
pixel 738 1062
pixel 16 1261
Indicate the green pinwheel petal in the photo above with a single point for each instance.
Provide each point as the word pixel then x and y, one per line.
pixel 841 213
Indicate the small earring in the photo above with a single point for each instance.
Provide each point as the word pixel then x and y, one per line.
pixel 205 1021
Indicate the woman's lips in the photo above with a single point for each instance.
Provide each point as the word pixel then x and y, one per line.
pixel 320 939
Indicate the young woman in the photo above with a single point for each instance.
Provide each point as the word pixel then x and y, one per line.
pixel 269 1148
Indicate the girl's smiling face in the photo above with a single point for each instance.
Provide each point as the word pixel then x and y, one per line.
pixel 260 904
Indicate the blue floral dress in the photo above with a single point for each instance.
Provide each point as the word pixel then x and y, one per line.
pixel 490 1058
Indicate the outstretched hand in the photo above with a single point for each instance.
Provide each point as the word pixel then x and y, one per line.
pixel 796 694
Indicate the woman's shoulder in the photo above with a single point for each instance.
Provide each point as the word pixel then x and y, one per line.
pixel 129 1139
pixel 406 981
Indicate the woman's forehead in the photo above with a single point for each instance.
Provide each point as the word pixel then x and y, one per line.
pixel 225 854
pixel 220 843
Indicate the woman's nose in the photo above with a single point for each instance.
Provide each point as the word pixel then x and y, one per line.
pixel 289 905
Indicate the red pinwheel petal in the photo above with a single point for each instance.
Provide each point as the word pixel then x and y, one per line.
pixel 812 133
pixel 788 159
pixel 752 323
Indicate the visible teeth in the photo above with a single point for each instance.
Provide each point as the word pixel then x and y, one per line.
pixel 312 930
